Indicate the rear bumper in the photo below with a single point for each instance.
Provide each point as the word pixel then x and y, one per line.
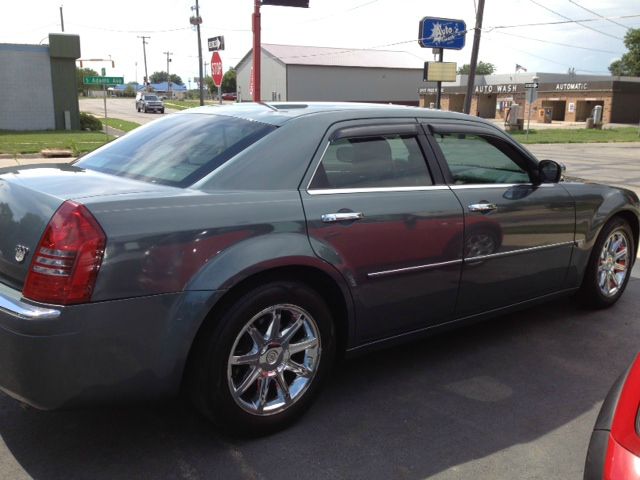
pixel 97 353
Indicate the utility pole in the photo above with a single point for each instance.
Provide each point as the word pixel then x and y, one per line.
pixel 257 51
pixel 168 74
pixel 61 19
pixel 474 57
pixel 197 20
pixel 144 52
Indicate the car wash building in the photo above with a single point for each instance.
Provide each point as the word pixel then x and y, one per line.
pixel 561 97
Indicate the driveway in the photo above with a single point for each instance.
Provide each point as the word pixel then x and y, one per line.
pixel 610 163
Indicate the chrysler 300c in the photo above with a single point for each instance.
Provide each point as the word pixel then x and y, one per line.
pixel 233 252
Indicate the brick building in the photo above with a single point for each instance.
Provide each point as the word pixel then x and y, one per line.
pixel 571 98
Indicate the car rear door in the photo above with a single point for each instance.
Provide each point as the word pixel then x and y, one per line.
pixel 377 210
pixel 519 235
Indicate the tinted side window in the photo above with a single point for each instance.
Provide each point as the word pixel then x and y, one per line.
pixel 372 162
pixel 473 159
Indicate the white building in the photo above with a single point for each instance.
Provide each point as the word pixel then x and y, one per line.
pixel 299 73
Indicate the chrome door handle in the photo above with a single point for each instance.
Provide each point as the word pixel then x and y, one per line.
pixel 482 207
pixel 341 216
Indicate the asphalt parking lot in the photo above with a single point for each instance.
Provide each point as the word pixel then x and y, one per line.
pixel 515 397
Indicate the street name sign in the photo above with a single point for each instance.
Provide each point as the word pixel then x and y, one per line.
pixel 531 85
pixel 103 80
pixel 442 33
pixel 215 43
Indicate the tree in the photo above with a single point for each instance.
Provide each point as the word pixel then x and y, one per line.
pixel 80 74
pixel 159 77
pixel 629 64
pixel 481 69
pixel 229 81
pixel 208 81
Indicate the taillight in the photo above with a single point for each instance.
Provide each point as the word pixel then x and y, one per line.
pixel 65 265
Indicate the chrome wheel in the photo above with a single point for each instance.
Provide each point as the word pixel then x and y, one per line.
pixel 274 359
pixel 613 263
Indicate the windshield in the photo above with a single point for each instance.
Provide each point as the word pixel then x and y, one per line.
pixel 150 97
pixel 177 150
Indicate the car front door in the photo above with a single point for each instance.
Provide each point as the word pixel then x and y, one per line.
pixel 519 234
pixel 375 212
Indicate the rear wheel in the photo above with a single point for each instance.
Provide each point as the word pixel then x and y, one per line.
pixel 261 366
pixel 610 265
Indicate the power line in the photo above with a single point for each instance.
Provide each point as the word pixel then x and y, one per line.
pixel 549 60
pixel 562 22
pixel 598 15
pixel 567 18
pixel 341 11
pixel 591 49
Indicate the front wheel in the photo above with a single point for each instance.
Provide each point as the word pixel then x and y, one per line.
pixel 610 265
pixel 262 365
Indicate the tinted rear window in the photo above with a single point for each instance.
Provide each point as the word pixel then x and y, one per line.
pixel 177 150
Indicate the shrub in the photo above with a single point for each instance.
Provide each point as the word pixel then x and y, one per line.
pixel 89 122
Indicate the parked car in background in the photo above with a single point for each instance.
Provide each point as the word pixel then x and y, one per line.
pixel 230 96
pixel 614 449
pixel 149 102
pixel 235 250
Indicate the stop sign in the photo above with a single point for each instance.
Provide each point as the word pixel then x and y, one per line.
pixel 216 69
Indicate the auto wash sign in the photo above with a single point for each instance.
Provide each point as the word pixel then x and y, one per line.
pixel 506 88
pixel 571 86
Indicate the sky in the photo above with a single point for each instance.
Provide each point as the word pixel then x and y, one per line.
pixel 111 30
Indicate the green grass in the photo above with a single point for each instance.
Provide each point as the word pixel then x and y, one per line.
pixel 34 142
pixel 184 104
pixel 123 125
pixel 578 135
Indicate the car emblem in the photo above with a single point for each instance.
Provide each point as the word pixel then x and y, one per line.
pixel 21 253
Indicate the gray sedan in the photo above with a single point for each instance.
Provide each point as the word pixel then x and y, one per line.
pixel 234 252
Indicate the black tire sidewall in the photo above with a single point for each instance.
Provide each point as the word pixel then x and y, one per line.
pixel 590 291
pixel 213 396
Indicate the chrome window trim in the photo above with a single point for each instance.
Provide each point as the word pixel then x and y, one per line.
pixel 19 309
pixel 417 268
pixel 472 186
pixel 376 189
pixel 519 251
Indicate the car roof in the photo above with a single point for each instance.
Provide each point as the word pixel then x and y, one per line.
pixel 278 113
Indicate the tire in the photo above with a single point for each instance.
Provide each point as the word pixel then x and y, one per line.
pixel 240 353
pixel 609 266
pixel 162 111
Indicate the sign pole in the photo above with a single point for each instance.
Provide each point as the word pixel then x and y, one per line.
pixel 106 128
pixel 526 101
pixel 256 51
pixel 439 83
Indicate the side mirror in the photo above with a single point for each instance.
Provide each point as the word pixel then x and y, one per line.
pixel 549 171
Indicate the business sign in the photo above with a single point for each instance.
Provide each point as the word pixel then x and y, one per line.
pixel 103 80
pixel 215 43
pixel 439 71
pixel 442 33
pixel 287 3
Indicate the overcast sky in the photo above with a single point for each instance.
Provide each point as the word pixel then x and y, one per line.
pixel 111 29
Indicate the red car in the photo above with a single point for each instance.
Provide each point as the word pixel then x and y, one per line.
pixel 614 449
pixel 230 96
